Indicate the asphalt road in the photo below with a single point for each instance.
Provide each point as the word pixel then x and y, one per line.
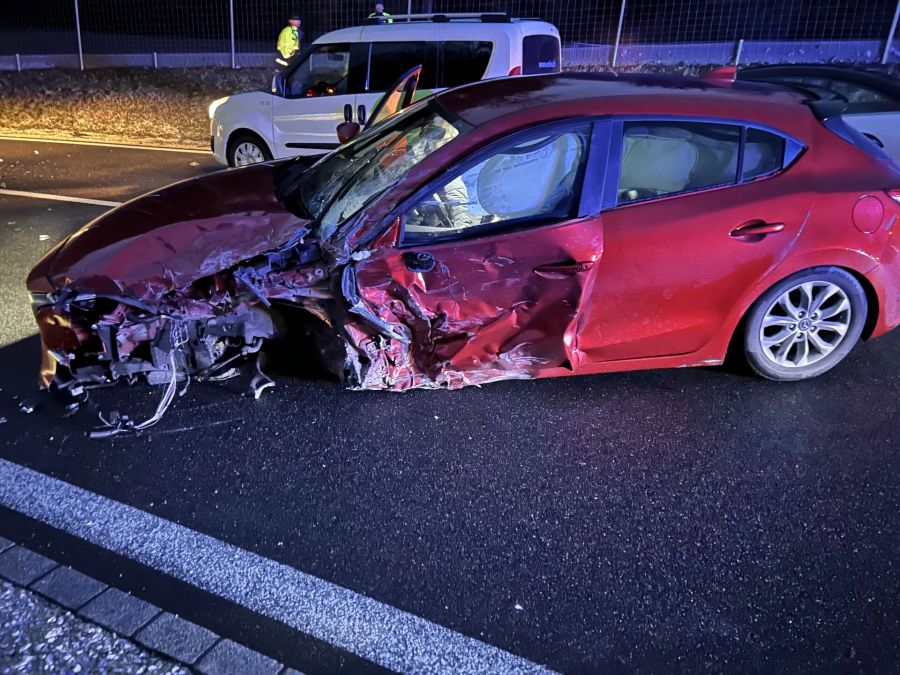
pixel 690 520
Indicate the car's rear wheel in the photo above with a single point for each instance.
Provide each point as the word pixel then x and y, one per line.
pixel 245 149
pixel 805 325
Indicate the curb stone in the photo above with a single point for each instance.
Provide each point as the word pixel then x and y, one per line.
pixel 164 633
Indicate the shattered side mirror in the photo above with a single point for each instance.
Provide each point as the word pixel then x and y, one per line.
pixel 347 131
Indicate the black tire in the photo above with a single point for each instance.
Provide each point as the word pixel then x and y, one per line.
pixel 246 138
pixel 813 333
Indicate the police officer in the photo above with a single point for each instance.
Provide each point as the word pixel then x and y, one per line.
pixel 289 40
pixel 380 15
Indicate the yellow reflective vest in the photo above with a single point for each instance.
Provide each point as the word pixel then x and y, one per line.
pixel 385 17
pixel 289 41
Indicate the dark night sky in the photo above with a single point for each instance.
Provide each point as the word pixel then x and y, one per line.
pixel 581 21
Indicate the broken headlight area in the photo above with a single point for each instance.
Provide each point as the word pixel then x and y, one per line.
pixel 198 333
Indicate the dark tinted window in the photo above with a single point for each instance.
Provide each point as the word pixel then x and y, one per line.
pixel 541 54
pixel 465 62
pixel 661 158
pixel 391 60
pixel 763 154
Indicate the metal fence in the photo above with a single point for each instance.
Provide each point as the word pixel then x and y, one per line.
pixel 617 32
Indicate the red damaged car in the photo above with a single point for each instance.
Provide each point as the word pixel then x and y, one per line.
pixel 515 228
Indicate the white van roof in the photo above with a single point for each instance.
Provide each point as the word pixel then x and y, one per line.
pixel 450 25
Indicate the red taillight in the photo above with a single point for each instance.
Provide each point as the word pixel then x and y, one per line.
pixel 895 195
pixel 515 71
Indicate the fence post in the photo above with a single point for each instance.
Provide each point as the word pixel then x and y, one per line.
pixel 890 40
pixel 18 63
pixel 737 52
pixel 408 10
pixel 78 34
pixel 231 17
pixel 615 54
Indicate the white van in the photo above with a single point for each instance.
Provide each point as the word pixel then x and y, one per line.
pixel 357 65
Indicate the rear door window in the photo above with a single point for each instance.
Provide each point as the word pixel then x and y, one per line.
pixel 389 61
pixel 465 61
pixel 541 54
pixel 662 158
pixel 763 154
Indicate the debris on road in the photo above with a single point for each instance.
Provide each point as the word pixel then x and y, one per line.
pixel 27 406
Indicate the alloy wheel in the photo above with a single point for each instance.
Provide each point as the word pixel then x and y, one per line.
pixel 805 324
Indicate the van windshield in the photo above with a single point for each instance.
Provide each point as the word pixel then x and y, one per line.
pixel 339 185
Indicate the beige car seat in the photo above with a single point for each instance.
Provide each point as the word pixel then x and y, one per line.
pixel 660 161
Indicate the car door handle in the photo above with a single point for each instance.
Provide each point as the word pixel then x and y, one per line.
pixel 563 270
pixel 756 230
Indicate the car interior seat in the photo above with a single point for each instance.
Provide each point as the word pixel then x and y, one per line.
pixel 656 161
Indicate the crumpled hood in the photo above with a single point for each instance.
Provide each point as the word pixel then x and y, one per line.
pixel 169 238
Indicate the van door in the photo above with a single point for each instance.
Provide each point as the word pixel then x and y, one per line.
pixel 315 93
pixel 389 61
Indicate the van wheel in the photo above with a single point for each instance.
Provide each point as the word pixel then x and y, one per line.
pixel 805 325
pixel 245 149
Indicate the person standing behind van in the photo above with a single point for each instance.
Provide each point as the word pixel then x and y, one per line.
pixel 380 15
pixel 289 40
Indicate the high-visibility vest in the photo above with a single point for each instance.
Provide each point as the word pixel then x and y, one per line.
pixel 289 41
pixel 384 17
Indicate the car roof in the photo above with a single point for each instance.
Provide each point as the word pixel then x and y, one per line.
pixel 402 30
pixel 550 96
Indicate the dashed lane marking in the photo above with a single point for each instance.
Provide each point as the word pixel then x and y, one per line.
pixel 375 631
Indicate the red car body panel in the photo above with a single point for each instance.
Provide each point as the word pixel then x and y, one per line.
pixel 660 283
pixel 169 238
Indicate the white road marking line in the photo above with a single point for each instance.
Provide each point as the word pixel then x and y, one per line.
pixel 101 144
pixel 358 624
pixel 59 198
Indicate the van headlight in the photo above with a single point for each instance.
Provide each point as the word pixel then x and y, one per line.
pixel 215 105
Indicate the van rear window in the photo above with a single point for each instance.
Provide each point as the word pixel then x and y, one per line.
pixel 465 62
pixel 541 54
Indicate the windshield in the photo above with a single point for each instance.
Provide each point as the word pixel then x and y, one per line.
pixel 343 182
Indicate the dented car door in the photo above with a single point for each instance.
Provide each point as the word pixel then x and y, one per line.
pixel 491 267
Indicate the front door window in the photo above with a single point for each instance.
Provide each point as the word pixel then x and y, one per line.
pixel 526 182
pixel 324 72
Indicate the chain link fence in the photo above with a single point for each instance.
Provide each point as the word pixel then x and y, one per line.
pixel 79 33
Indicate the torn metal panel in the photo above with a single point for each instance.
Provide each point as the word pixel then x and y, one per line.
pixel 487 311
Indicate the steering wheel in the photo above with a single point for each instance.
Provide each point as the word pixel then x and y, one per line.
pixel 437 211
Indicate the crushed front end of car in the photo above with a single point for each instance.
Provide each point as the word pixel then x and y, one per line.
pixel 176 285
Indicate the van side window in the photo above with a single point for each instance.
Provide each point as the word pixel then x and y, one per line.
pixel 324 72
pixel 465 62
pixel 662 158
pixel 391 60
pixel 541 54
